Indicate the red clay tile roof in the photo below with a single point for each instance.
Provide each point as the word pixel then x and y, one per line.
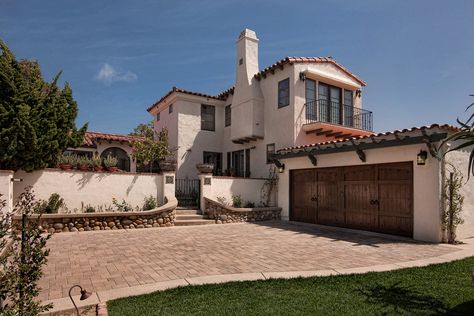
pixel 294 60
pixel 221 96
pixel 90 138
pixel 446 127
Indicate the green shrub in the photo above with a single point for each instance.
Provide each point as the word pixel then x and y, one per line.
pixel 52 206
pixel 249 204
pixel 122 206
pixel 150 203
pixel 110 161
pixel 96 161
pixel 237 201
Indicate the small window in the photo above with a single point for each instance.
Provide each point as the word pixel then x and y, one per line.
pixel 270 151
pixel 241 61
pixel 158 117
pixel 208 118
pixel 284 93
pixel 170 109
pixel 228 114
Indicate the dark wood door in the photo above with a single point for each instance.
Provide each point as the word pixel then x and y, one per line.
pixel 304 205
pixel 395 198
pixel 369 197
pixel 360 192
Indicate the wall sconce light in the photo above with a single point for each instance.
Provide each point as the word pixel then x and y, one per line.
pixel 279 165
pixel 421 158
pixel 302 76
pixel 84 295
pixel 359 93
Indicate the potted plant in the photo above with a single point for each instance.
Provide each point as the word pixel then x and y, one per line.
pixel 111 163
pixel 96 162
pixel 167 164
pixel 65 162
pixel 205 167
pixel 83 163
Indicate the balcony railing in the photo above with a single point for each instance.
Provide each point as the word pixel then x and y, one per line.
pixel 337 113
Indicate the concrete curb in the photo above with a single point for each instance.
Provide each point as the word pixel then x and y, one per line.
pixel 101 297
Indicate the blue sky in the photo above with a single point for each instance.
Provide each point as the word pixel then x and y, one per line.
pixel 120 56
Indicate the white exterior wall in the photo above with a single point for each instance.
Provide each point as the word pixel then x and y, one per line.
pixel 460 159
pixel 94 188
pixel 426 183
pixel 6 190
pixel 248 189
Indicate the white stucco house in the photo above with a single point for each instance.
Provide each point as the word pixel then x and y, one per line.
pixel 306 116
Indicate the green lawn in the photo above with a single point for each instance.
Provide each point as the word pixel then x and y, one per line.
pixel 437 289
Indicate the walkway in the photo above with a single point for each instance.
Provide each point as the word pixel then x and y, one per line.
pixel 124 261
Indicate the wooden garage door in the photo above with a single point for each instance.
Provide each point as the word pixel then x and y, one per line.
pixel 369 197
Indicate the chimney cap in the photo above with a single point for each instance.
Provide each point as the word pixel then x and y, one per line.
pixel 248 33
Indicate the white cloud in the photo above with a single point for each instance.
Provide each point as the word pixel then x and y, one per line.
pixel 108 75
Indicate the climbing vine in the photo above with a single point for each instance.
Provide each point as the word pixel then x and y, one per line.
pixel 453 203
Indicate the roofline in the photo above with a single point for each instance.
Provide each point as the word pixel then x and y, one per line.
pixel 301 60
pixel 221 96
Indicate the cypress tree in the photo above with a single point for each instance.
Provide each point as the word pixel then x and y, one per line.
pixel 37 118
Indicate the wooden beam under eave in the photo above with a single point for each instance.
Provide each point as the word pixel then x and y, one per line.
pixel 314 131
pixel 324 132
pixel 343 135
pixel 334 134
pixel 237 141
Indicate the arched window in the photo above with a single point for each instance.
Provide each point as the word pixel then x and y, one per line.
pixel 121 155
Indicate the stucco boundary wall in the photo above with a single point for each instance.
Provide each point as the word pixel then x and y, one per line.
pixel 224 214
pixel 163 216
pixel 249 189
pixel 97 189
pixel 6 189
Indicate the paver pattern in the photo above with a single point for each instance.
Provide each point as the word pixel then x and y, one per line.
pixel 115 259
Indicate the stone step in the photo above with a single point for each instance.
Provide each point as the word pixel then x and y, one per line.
pixel 189 222
pixel 188 216
pixel 187 212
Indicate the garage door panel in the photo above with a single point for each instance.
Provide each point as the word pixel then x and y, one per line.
pixel 304 208
pixel 370 197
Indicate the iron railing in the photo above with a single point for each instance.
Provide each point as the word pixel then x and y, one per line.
pixel 338 113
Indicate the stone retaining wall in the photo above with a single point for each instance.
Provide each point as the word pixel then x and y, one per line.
pixel 163 216
pixel 224 214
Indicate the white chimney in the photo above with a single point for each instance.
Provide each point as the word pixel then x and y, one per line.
pixel 247 57
pixel 247 102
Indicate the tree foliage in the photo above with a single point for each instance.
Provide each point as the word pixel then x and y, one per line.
pixel 21 265
pixel 466 138
pixel 143 130
pixel 37 118
pixel 150 150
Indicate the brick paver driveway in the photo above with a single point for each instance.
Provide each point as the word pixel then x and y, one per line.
pixel 115 259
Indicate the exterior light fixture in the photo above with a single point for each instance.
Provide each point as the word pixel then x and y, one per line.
pixel 359 93
pixel 279 165
pixel 421 158
pixel 302 76
pixel 84 295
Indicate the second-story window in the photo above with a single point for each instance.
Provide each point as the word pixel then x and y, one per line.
pixel 284 93
pixel 170 109
pixel 158 117
pixel 348 108
pixel 208 117
pixel 310 94
pixel 228 115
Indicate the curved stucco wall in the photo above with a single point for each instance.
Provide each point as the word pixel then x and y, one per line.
pixel 93 188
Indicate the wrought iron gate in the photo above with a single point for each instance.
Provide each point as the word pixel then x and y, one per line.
pixel 188 192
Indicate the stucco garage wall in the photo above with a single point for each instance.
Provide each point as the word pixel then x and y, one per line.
pixel 460 160
pixel 426 182
pixel 249 189
pixel 90 187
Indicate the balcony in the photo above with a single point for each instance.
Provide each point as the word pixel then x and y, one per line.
pixel 334 119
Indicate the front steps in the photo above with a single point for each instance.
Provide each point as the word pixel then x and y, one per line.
pixel 188 217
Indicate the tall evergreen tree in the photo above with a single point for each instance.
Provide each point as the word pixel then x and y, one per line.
pixel 37 118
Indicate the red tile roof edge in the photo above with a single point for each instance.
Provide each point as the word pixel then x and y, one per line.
pixel 221 96
pixel 293 60
pixel 91 137
pixel 421 128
